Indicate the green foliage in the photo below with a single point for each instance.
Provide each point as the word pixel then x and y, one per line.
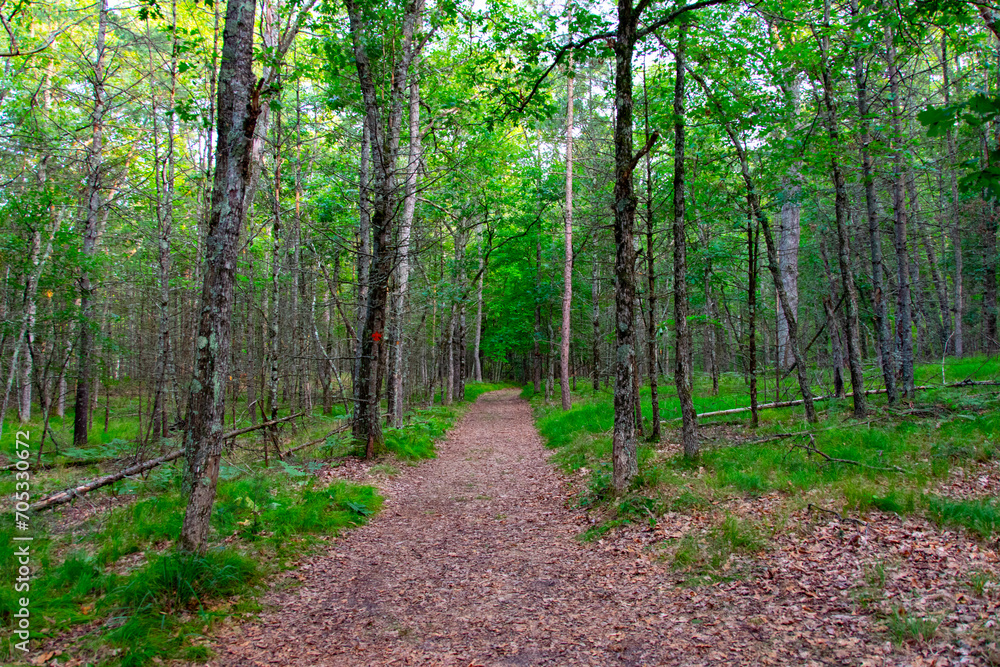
pixel 271 513
pixel 705 555
pixel 861 497
pixel 979 516
pixel 144 624
pixel 416 440
pixel 903 627
pixel 177 580
pixel 980 581
pixel 145 523
pixel 924 449
pixel 473 390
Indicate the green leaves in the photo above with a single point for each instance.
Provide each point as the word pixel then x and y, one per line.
pixel 979 110
pixel 986 181
pixel 938 120
pixel 290 470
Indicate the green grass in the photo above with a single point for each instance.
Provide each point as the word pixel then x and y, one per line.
pixel 981 517
pixel 416 440
pixel 895 458
pixel 162 606
pixel 903 627
pixel 119 569
pixel 271 515
pixel 706 556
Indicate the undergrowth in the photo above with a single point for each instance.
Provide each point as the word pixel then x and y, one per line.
pixel 897 458
pixel 145 601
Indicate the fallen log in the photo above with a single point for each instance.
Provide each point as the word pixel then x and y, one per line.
pixel 296 448
pixel 790 404
pixel 89 462
pixel 233 434
pixel 71 493
pixel 811 449
pixel 48 465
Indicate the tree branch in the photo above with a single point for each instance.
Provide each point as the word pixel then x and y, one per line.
pixel 645 149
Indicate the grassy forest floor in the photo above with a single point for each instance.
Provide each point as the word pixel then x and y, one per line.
pixel 501 552
pixel 107 587
pixel 897 539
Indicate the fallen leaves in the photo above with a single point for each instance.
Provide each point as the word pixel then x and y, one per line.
pixel 438 580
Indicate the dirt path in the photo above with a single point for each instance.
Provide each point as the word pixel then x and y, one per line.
pixel 473 561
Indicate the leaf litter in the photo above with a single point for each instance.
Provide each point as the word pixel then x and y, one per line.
pixel 474 561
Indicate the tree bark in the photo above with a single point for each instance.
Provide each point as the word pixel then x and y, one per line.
pixel 277 238
pixel 884 339
pixel 651 324
pixel 364 242
pixel 772 261
pixel 955 232
pixel 567 296
pixel 90 233
pixel 990 281
pixel 595 319
pixel 367 427
pixel 403 269
pixel 164 179
pixel 833 325
pixel 38 261
pixel 752 250
pixel 477 352
pixel 788 260
pixel 537 347
pixel 904 315
pixel 682 361
pixel 239 108
pixel 843 237
pixel 624 455
pixel 940 285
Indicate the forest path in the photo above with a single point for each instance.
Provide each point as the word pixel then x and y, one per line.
pixel 473 561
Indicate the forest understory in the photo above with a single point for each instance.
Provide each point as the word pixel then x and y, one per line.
pixel 504 551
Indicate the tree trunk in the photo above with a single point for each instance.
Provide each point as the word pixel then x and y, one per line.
pixel 477 352
pixel 367 427
pixel 537 348
pixel 752 241
pixel 549 361
pixel 567 296
pixel 940 284
pixel 38 260
pixel 403 270
pixel 904 315
pixel 958 309
pixel 843 238
pixel 595 353
pixel 624 455
pixel 883 337
pixel 164 179
pixel 990 281
pixel 833 325
pixel 27 337
pixel 90 233
pixel 788 260
pixel 239 108
pixel 274 352
pixel 449 353
pixel 651 324
pixel 682 361
pixel 772 261
pixel 364 242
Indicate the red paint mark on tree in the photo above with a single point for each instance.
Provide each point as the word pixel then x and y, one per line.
pixel 376 336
